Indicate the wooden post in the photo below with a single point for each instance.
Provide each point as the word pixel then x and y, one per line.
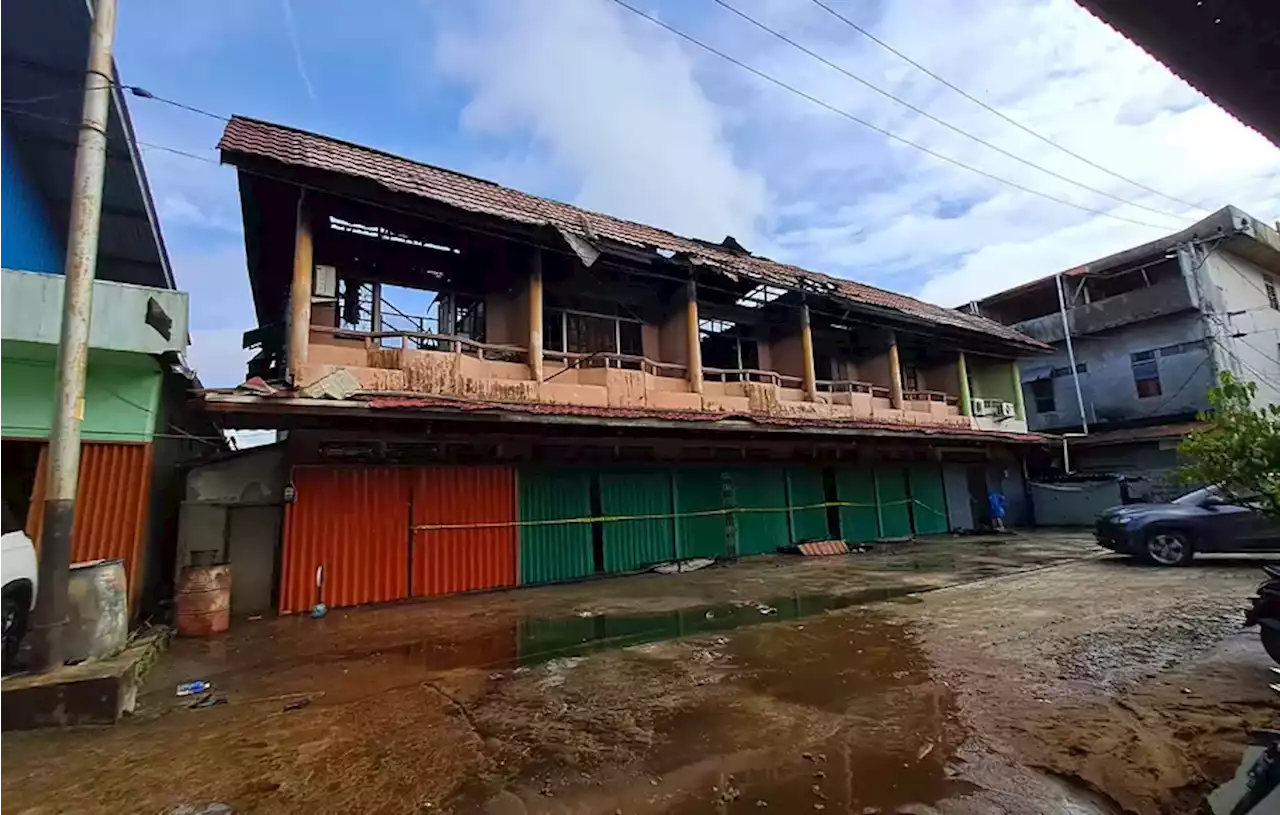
pixel 535 317
pixel 300 291
pixel 895 373
pixel 806 353
pixel 1019 406
pixel 693 337
pixel 966 400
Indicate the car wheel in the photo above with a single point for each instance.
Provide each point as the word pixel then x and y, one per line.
pixel 15 627
pixel 1168 547
pixel 1271 642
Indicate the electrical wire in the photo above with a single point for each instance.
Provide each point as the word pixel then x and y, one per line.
pixel 148 145
pixel 920 111
pixel 996 111
pixel 135 90
pixel 875 128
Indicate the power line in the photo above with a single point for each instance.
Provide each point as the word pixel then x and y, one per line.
pixel 149 145
pixel 136 90
pixel 922 112
pixel 887 134
pixel 996 111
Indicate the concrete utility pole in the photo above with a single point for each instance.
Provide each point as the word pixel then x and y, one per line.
pixel 73 348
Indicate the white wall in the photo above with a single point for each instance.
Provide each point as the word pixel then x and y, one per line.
pixel 1239 295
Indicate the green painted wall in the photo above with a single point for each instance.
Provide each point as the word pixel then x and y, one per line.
pixel 991 379
pixel 122 393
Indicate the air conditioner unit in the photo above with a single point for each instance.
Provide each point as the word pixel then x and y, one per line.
pixel 1006 410
pixel 980 407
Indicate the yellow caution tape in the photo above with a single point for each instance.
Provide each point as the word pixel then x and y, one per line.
pixel 666 516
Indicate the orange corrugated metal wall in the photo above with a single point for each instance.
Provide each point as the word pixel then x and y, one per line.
pixel 453 560
pixel 112 499
pixel 353 521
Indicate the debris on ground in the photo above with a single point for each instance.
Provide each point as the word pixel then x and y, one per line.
pixel 297 705
pixel 208 700
pixel 193 688
pixel 681 566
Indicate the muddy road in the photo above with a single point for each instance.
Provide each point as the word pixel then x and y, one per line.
pixel 1022 675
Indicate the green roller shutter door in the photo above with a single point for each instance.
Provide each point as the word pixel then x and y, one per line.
pixel 806 488
pixel 760 488
pixel 555 552
pixel 928 499
pixel 633 544
pixel 891 495
pixel 856 485
pixel 700 489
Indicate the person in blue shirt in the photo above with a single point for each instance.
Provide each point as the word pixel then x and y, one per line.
pixel 995 499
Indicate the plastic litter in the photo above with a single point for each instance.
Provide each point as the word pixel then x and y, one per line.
pixel 192 688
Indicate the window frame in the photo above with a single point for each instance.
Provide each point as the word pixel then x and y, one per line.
pixel 1038 399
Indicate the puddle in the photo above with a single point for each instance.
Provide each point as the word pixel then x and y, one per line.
pixel 534 640
pixel 550 638
pixel 862 676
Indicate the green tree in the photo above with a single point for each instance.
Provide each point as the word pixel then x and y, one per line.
pixel 1239 449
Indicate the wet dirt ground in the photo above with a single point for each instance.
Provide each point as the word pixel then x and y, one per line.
pixel 1022 674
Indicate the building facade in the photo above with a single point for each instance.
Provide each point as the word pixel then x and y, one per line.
pixel 136 381
pixel 1150 328
pixel 483 388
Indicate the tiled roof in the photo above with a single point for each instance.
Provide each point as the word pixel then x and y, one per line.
pixel 299 148
pixel 804 423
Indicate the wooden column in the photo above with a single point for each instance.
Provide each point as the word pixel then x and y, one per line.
pixel 1019 406
pixel 300 290
pixel 895 372
pixel 535 317
pixel 806 353
pixel 966 400
pixel 693 339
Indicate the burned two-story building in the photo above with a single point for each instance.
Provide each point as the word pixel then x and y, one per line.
pixel 1149 329
pixel 483 388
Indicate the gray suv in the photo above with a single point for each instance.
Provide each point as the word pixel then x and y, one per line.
pixel 1200 521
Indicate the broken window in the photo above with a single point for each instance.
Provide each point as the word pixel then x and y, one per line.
pixel 1146 374
pixel 583 333
pixel 727 346
pixel 910 377
pixel 1042 394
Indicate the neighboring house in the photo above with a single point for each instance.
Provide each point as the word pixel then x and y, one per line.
pixel 1151 329
pixel 462 367
pixel 136 379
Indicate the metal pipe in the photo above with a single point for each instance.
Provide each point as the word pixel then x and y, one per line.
pixel 73 347
pixel 1071 355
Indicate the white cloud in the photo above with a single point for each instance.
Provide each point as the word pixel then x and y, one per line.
pixel 614 106
pixel 656 130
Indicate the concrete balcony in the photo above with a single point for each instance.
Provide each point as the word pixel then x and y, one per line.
pixel 1165 298
pixel 459 367
pixel 125 317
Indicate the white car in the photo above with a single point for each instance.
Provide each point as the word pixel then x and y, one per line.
pixel 18 565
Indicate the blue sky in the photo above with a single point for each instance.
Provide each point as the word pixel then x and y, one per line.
pixel 583 101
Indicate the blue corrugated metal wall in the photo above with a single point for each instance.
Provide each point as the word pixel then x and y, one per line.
pixel 27 242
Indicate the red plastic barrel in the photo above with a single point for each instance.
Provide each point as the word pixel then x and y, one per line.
pixel 203 600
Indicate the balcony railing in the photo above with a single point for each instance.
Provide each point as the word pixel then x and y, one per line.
pixel 844 386
pixel 426 341
pixel 751 375
pixel 632 362
pixel 929 396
